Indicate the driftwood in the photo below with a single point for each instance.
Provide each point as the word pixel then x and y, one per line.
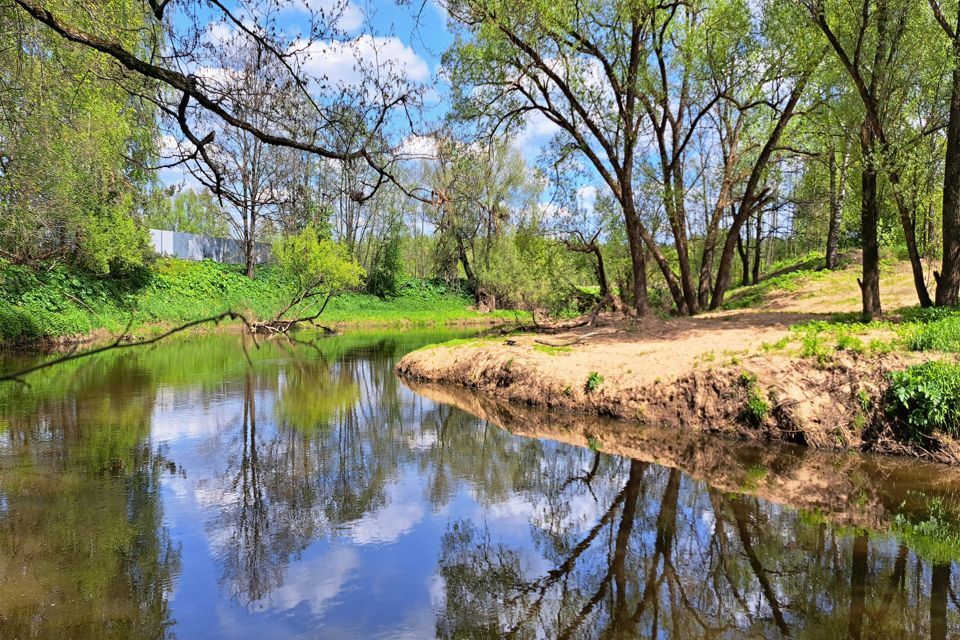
pixel 578 339
pixel 280 325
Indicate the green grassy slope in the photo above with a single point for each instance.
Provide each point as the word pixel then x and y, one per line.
pixel 59 301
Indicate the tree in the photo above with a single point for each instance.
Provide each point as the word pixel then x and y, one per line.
pixel 71 144
pixel 187 211
pixel 948 280
pixel 577 68
pixel 319 270
pixel 869 43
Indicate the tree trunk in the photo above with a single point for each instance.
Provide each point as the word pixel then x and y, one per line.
pixel 743 250
pixel 638 262
pixel 757 241
pixel 948 281
pixel 910 237
pixel 838 183
pixel 250 244
pixel 869 216
pixel 601 272
pixel 939 590
pixel 467 269
pixel 683 252
pixel 859 568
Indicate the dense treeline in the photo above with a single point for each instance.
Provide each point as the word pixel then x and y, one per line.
pixel 695 142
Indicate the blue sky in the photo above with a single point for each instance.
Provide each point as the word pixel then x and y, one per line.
pixel 411 36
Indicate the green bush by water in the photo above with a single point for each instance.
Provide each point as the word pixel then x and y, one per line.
pixel 926 397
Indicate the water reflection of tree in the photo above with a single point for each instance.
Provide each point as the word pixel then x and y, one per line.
pixel 83 551
pixel 671 558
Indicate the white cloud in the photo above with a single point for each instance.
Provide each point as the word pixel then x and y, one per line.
pixel 538 129
pixel 416 147
pixel 343 62
pixel 386 525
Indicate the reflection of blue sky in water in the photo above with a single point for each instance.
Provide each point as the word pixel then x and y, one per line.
pixel 314 496
pixel 380 565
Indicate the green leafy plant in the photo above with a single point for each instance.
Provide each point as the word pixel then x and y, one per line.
pixel 594 380
pixel 757 407
pixel 926 397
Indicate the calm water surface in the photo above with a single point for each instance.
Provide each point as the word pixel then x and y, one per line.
pixel 180 491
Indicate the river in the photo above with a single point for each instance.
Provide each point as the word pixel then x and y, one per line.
pixel 197 489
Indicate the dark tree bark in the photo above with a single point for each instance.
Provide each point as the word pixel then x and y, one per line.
pixel 580 244
pixel 939 588
pixel 869 217
pixel 858 587
pixel 948 279
pixel 743 251
pixel 757 247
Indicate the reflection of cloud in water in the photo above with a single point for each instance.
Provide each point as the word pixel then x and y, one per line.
pixel 315 582
pixel 179 415
pixel 422 440
pixel 516 514
pixel 386 525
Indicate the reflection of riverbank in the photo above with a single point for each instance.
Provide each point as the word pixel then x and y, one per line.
pixel 721 374
pixel 849 489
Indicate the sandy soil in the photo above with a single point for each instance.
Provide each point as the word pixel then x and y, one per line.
pixel 700 373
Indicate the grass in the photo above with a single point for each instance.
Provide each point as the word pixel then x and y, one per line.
pixel 784 276
pixel 754 476
pixel 926 398
pixel 550 350
pixel 757 407
pixel 59 301
pixel 935 537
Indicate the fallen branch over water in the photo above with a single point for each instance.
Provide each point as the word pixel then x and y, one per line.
pixel 124 341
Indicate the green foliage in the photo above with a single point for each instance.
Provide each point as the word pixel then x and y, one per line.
pixel 386 274
pixel 934 537
pixel 757 407
pixel 594 443
pixel 935 330
pixel 64 301
pixel 754 476
pixel 926 397
pixel 551 350
pixel 73 145
pixel 594 380
pixel 186 211
pixel 316 266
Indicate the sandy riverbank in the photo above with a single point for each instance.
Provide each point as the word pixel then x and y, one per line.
pixel 710 374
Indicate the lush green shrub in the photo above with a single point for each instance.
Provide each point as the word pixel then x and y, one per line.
pixel 927 397
pixel 386 273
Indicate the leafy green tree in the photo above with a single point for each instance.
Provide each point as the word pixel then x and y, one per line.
pixel 188 211
pixel 386 274
pixel 318 269
pixel 73 141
